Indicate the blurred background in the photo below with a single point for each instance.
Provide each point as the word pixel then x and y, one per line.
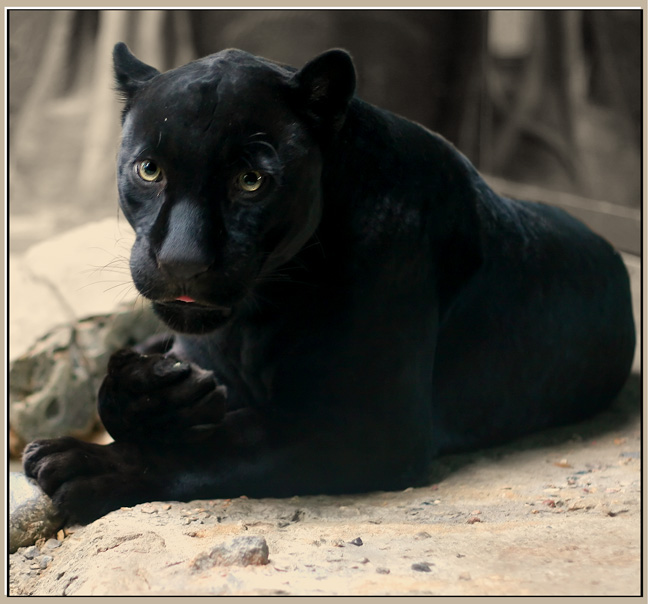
pixel 547 104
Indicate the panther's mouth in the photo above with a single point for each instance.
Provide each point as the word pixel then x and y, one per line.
pixel 186 303
pixel 186 315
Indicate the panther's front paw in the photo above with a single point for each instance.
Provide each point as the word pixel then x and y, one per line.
pixel 84 480
pixel 158 397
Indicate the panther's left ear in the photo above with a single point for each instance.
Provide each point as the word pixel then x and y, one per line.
pixel 325 86
pixel 130 72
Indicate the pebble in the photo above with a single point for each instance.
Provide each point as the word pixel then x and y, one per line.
pixel 31 552
pixel 421 567
pixel 241 551
pixel 148 510
pixel 382 571
pixel 44 561
pixel 32 515
pixel 357 542
pixel 52 544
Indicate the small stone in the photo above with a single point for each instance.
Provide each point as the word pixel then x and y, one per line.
pixel 422 535
pixel 32 514
pixel 357 542
pixel 60 535
pixel 148 509
pixel 298 515
pixel 563 463
pixel 44 561
pixel 421 567
pixel 241 551
pixel 382 571
pixel 51 544
pixel 473 520
pixel 31 552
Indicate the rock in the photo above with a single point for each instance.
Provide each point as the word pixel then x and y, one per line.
pixel 65 322
pixel 53 386
pixel 51 391
pixel 31 552
pixel 35 308
pixel 421 567
pixel 44 561
pixel 32 514
pixel 82 265
pixel 241 551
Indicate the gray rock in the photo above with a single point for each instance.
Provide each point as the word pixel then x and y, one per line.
pixel 31 552
pixel 44 561
pixel 241 551
pixel 66 320
pixel 53 386
pixel 32 515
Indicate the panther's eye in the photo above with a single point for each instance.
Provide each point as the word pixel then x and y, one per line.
pixel 148 170
pixel 250 181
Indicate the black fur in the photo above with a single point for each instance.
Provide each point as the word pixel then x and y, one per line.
pixel 370 305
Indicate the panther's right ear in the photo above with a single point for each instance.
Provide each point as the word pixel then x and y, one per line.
pixel 324 87
pixel 130 72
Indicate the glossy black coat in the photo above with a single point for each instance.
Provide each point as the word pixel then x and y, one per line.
pixel 372 305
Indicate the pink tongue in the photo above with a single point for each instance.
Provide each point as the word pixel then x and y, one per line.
pixel 185 299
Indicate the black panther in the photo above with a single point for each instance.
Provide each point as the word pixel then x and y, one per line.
pixel 348 297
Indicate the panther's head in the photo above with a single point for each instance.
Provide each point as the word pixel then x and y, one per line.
pixel 219 173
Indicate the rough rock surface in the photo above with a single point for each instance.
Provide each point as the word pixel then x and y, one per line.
pixel 241 551
pixel 53 386
pixel 77 274
pixel 59 357
pixel 556 513
pixel 32 516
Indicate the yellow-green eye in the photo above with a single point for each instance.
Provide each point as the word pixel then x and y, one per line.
pixel 250 181
pixel 148 170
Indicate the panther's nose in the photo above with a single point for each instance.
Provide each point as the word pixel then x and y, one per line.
pixel 182 269
pixel 184 248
